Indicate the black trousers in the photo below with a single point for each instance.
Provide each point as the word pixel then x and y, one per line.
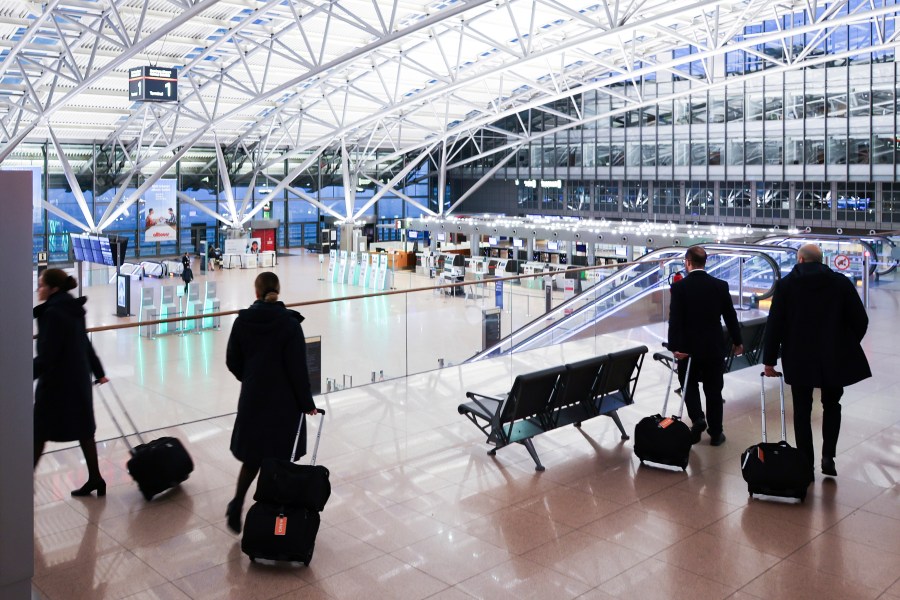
pixel 831 420
pixel 710 372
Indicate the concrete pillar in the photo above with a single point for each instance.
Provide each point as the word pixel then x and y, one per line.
pixel 17 425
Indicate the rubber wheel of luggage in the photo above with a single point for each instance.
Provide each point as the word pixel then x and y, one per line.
pixel 252 559
pixel 578 425
pixel 492 452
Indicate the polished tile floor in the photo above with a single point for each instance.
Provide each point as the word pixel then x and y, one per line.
pixel 419 510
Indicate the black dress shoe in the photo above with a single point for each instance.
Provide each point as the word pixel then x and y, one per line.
pixel 717 440
pixel 828 467
pixel 233 512
pixel 697 430
pixel 99 486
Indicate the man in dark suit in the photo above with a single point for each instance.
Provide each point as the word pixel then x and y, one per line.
pixel 699 302
pixel 818 322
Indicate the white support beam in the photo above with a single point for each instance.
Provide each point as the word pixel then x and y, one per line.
pixel 148 183
pixel 393 182
pixel 72 180
pixel 204 208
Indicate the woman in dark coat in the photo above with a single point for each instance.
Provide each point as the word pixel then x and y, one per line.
pixel 267 354
pixel 63 401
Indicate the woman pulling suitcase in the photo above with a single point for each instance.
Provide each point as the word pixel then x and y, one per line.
pixel 63 401
pixel 267 353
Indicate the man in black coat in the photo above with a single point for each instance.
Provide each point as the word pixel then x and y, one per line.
pixel 699 302
pixel 818 322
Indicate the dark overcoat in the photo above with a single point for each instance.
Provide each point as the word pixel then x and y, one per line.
pixel 818 321
pixel 63 400
pixel 267 354
pixel 699 304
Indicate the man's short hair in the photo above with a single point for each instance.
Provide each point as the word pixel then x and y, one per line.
pixel 810 253
pixel 697 256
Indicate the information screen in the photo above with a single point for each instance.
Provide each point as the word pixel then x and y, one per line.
pixel 153 84
pixel 518 242
pixel 96 252
pixel 78 247
pixel 552 245
pixel 412 235
pixel 106 252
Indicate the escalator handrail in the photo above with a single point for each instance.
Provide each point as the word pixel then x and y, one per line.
pixel 649 258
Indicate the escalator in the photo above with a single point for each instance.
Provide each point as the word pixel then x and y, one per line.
pixel 639 290
pixel 879 248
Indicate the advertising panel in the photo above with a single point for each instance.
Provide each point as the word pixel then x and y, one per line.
pixel 158 212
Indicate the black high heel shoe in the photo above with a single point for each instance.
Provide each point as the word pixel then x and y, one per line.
pixel 233 512
pixel 91 486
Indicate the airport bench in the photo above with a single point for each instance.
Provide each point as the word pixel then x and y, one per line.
pixel 545 400
pixel 752 333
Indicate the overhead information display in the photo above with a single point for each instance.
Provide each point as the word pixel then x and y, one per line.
pixel 155 84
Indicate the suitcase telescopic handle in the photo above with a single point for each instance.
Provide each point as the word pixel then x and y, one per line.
pixel 762 401
pixel 672 372
pixel 318 436
pixel 112 415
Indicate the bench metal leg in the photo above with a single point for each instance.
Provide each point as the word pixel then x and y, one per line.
pixel 615 417
pixel 530 447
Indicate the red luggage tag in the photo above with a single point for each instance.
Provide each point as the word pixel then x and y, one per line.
pixel 281 525
pixel 760 455
pixel 666 422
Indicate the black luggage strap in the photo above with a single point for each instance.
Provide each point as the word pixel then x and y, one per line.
pixel 318 436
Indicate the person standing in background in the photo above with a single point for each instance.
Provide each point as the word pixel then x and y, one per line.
pixel 817 321
pixel 699 303
pixel 267 353
pixel 63 399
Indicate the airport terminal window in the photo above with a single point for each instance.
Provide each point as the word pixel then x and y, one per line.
pixel 813 200
pixel 606 196
pixel 634 197
pixel 793 150
pixel 753 152
pixel 735 153
pixel 734 107
pixel 883 147
pixel 664 154
pixel 855 201
pixel 666 198
pixel 682 153
pixel 578 196
pixel 526 195
pixel 552 197
pixel 774 151
pixel 890 202
pixel 836 150
pixel 773 200
pixel 815 151
pixel 735 199
pixel 699 200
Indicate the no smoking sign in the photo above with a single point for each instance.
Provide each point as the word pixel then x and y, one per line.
pixel 842 262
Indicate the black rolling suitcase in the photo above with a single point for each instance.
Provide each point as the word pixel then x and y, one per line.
pixel 775 469
pixel 283 522
pixel 157 465
pixel 660 439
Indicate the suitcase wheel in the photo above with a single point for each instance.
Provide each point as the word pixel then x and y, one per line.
pixel 492 452
pixel 578 425
pixel 625 436
pixel 253 559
